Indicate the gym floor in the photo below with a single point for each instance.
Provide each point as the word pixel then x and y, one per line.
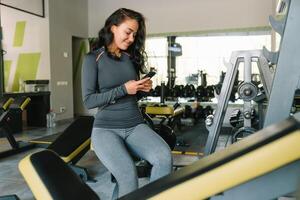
pixel 11 181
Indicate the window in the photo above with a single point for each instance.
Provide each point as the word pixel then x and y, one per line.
pixel 157 51
pixel 203 53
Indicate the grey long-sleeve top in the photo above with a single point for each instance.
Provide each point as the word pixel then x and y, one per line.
pixel 103 87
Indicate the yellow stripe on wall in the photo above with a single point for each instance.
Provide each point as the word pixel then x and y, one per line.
pixel 7 66
pixel 27 67
pixel 19 33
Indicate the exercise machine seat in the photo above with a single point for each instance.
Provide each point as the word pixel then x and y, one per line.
pixel 50 178
pixel 75 140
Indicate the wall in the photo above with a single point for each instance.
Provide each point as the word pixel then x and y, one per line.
pixel 66 19
pixel 171 16
pixel 26 42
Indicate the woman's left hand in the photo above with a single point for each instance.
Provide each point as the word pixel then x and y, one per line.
pixel 147 86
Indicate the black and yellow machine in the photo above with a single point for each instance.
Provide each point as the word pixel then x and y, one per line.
pixel 10 108
pixel 166 119
pixel 71 144
pixel 266 162
pixel 164 113
pixel 49 177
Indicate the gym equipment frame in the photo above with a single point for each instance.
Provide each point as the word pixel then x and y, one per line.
pixel 276 85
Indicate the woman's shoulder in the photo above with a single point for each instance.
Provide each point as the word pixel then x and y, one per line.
pixel 97 53
pixel 99 50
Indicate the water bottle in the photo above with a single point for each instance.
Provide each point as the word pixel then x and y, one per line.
pixel 51 119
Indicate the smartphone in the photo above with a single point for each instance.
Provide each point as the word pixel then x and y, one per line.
pixel 150 75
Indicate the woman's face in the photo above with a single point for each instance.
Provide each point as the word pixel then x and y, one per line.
pixel 124 34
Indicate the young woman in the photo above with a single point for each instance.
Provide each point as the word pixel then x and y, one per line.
pixel 110 82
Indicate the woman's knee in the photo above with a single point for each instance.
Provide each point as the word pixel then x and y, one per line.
pixel 124 169
pixel 163 156
pixel 128 177
pixel 127 182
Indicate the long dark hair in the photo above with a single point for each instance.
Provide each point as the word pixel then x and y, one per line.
pixel 137 49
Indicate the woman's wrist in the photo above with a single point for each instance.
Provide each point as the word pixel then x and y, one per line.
pixel 124 89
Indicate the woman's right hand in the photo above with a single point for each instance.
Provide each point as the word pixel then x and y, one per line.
pixel 133 86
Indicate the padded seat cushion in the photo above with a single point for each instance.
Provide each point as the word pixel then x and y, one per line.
pixel 73 136
pixel 49 177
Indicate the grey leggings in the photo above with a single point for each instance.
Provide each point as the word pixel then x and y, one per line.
pixel 112 145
